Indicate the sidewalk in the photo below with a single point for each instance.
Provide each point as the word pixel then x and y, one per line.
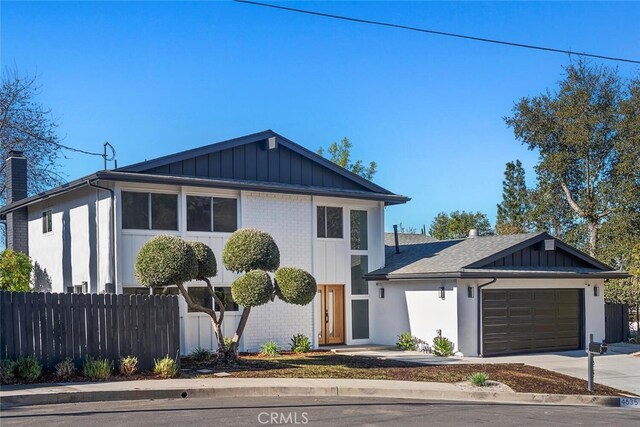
pixel 44 394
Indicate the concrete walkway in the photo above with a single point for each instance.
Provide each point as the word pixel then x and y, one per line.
pixel 46 394
pixel 618 368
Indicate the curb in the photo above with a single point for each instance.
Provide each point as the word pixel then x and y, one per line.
pixel 317 391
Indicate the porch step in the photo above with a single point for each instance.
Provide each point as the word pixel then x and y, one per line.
pixel 359 348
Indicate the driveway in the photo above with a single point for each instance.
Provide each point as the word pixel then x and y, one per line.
pixel 619 368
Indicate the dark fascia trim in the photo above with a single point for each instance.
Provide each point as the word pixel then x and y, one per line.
pixel 255 137
pixel 389 199
pixel 81 182
pixel 503 275
pixel 535 239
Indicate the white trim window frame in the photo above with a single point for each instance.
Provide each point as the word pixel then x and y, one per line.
pixel 47 227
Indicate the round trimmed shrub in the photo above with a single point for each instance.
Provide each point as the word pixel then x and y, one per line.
pixel 295 286
pixel 207 266
pixel 252 289
pixel 166 260
pixel 251 249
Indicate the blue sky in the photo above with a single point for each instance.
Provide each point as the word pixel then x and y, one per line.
pixel 156 78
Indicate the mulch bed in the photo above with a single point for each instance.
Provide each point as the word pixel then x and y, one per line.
pixel 323 364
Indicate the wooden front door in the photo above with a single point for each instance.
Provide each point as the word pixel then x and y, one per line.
pixel 331 314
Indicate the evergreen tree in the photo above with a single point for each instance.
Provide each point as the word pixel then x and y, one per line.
pixel 513 211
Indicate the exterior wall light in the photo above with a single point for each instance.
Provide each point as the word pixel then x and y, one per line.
pixel 470 291
pixel 441 292
pixel 596 291
pixel 381 292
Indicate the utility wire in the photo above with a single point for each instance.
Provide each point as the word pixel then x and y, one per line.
pixel 440 33
pixel 77 150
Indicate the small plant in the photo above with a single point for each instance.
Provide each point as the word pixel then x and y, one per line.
pixel 97 369
pixel 300 343
pixel 407 342
pixel 478 379
pixel 7 371
pixel 28 368
pixel 65 368
pixel 270 348
pixel 165 367
pixel 200 354
pixel 228 342
pixel 442 346
pixel 128 365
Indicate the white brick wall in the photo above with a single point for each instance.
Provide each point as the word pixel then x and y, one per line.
pixel 288 218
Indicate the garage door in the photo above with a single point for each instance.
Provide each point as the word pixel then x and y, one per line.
pixel 531 320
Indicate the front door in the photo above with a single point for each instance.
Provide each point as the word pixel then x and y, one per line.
pixel 331 314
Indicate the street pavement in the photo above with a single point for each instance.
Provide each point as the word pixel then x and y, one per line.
pixel 327 411
pixel 618 368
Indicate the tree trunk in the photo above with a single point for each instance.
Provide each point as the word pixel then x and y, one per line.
pixel 233 353
pixel 593 237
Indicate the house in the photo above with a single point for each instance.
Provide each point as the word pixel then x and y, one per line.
pixel 536 293
pixel 490 295
pixel 85 235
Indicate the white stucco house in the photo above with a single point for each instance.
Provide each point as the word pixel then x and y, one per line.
pixel 536 293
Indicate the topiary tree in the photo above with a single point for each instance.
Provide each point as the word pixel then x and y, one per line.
pixel 255 253
pixel 15 271
pixel 169 260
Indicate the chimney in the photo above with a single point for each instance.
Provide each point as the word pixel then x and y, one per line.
pixel 473 233
pixel 17 221
pixel 395 236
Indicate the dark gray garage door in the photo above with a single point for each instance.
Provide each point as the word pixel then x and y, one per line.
pixel 531 320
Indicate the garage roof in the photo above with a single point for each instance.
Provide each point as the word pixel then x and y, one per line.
pixel 517 255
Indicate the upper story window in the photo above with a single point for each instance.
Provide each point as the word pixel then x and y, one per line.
pixel 149 211
pixel 359 230
pixel 329 222
pixel 47 223
pixel 212 214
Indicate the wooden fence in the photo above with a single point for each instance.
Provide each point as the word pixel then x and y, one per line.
pixel 54 326
pixel 616 322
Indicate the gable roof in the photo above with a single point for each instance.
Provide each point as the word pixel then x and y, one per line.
pixel 252 158
pixel 244 163
pixel 484 257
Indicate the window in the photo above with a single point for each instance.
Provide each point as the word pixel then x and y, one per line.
pixel 201 296
pixel 149 211
pixel 359 233
pixel 47 224
pixel 360 316
pixel 212 214
pixel 329 222
pixel 224 294
pixel 359 267
pixel 168 290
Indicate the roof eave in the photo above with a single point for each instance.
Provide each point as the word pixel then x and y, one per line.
pixel 502 275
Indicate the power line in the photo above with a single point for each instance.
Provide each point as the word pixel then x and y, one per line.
pixel 77 150
pixel 440 33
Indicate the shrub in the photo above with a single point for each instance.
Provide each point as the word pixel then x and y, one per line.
pixel 478 379
pixel 128 365
pixel 166 260
pixel 251 249
pixel 270 348
pixel 65 368
pixel 15 271
pixel 407 342
pixel 442 346
pixel 228 342
pixel 300 343
pixel 28 368
pixel 252 289
pixel 200 354
pixel 97 369
pixel 295 286
pixel 207 266
pixel 165 367
pixel 7 370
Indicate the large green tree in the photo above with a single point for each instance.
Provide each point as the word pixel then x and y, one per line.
pixel 514 210
pixel 457 224
pixel 586 133
pixel 340 154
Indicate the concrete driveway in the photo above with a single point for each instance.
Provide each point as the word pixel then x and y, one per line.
pixel 619 368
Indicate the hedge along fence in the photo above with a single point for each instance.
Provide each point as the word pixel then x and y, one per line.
pixel 54 326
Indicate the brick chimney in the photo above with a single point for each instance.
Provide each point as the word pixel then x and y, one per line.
pixel 17 221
